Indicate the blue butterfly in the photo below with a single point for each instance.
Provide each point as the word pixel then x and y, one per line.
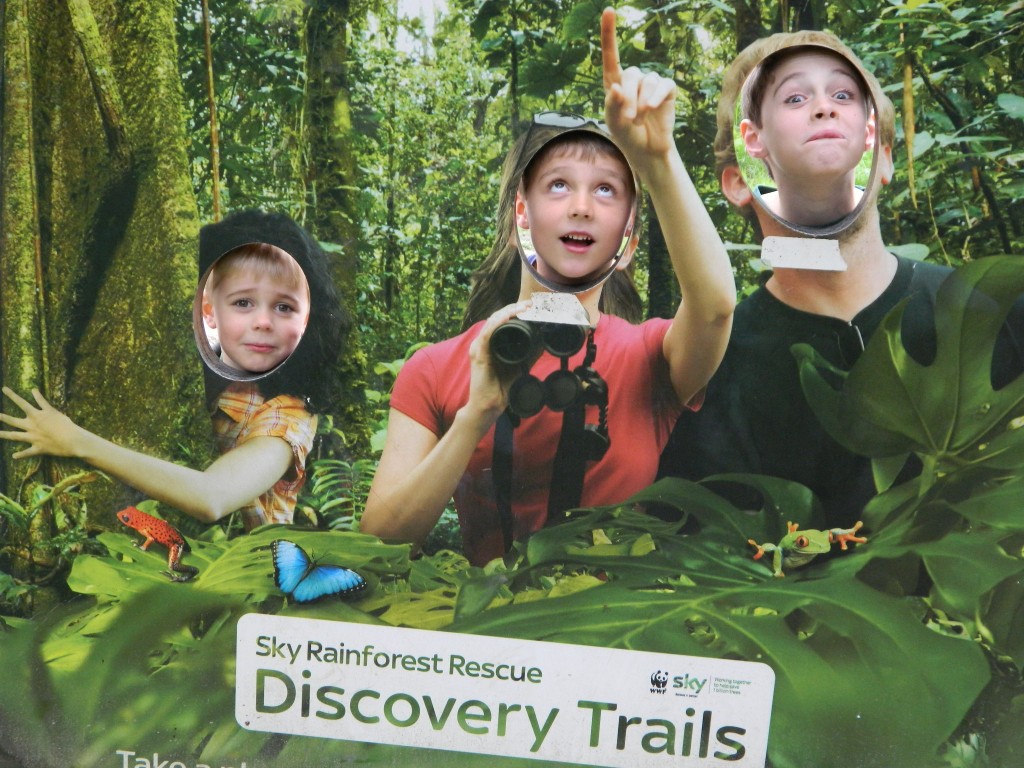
pixel 301 579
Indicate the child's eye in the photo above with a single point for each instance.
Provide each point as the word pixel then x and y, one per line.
pixel 242 303
pixel 606 190
pixel 558 186
pixel 285 308
pixel 796 98
pixel 844 96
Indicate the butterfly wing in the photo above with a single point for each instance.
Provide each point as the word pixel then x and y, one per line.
pixel 326 580
pixel 303 581
pixel 291 564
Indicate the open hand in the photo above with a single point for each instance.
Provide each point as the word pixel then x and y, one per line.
pixel 488 387
pixel 43 427
pixel 639 107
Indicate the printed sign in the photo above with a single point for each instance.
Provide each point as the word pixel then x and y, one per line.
pixel 490 695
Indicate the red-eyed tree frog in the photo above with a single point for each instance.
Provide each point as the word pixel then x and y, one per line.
pixel 800 547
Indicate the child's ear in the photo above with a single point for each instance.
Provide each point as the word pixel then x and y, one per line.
pixel 752 139
pixel 734 187
pixel 869 133
pixel 208 317
pixel 886 167
pixel 522 220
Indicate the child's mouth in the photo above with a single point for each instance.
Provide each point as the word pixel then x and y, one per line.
pixel 577 241
pixel 826 135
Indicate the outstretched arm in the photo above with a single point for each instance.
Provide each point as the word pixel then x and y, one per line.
pixel 419 471
pixel 640 112
pixel 230 482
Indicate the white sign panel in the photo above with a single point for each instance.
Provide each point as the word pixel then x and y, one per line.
pixel 490 695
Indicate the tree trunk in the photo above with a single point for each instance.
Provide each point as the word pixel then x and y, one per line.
pixel 747 23
pixel 98 256
pixel 332 174
pixel 662 285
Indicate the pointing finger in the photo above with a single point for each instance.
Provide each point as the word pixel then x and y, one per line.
pixel 610 49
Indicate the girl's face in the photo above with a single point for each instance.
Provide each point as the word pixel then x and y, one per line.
pixel 259 320
pixel 576 211
pixel 815 120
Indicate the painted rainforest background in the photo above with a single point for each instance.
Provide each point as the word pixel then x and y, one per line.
pixel 126 124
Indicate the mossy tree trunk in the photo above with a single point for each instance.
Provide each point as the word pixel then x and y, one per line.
pixel 747 22
pixel 99 227
pixel 332 183
pixel 662 285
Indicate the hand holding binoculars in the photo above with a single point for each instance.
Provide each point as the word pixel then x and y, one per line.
pixel 557 324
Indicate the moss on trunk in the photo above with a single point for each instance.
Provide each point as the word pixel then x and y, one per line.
pixel 332 174
pixel 93 133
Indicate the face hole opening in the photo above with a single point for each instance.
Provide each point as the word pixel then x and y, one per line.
pixel 569 241
pixel 789 124
pixel 250 311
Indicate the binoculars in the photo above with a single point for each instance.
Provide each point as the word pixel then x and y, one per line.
pixel 518 343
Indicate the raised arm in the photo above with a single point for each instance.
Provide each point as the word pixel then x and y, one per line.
pixel 418 470
pixel 640 112
pixel 230 482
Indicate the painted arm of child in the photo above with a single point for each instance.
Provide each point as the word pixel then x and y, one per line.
pixel 640 112
pixel 230 482
pixel 419 471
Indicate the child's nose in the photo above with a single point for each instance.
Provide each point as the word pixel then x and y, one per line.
pixel 823 107
pixel 261 319
pixel 581 205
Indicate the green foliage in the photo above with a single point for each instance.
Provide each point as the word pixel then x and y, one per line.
pixel 894 673
pixel 966 64
pixel 37 552
pixel 148 661
pixel 446 533
pixel 259 81
pixel 337 486
pixel 426 204
pixel 336 491
pixel 889 406
pixel 848 647
pixel 433 117
pixel 855 657
pixel 872 669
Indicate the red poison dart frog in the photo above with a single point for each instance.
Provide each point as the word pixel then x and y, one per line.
pixel 155 529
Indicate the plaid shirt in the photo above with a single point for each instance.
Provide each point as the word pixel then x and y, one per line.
pixel 241 415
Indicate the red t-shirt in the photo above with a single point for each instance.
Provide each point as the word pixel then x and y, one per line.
pixel 642 409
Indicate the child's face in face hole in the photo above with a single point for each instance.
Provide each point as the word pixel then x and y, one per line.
pixel 576 210
pixel 259 319
pixel 815 119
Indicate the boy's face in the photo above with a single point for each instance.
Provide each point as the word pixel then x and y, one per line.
pixel 576 210
pixel 814 119
pixel 259 320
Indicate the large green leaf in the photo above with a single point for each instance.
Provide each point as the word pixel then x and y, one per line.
pixel 889 404
pixel 847 658
pixel 240 567
pixel 997 504
pixel 879 673
pixel 854 658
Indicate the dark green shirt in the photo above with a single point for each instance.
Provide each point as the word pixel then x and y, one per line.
pixel 755 417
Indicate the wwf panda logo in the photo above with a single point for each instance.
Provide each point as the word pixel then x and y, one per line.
pixel 659 682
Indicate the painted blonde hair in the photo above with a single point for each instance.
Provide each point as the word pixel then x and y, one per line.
pixel 261 258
